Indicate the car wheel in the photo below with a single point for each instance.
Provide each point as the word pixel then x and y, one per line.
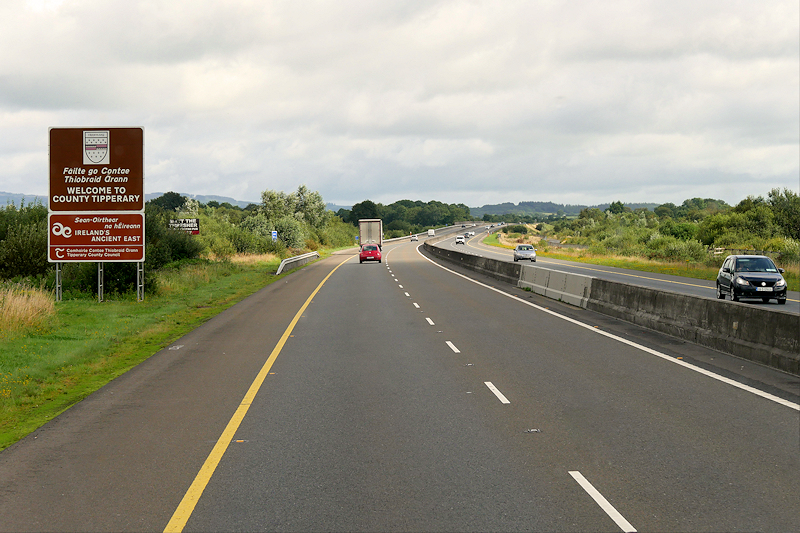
pixel 765 300
pixel 734 296
pixel 782 301
pixel 360 260
pixel 720 294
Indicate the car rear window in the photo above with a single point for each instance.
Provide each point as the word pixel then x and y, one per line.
pixel 370 248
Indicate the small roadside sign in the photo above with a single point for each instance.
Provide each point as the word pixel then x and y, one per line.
pixel 189 225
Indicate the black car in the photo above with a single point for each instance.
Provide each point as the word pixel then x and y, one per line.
pixel 751 276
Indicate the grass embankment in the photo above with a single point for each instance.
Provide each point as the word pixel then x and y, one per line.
pixel 687 270
pixel 53 354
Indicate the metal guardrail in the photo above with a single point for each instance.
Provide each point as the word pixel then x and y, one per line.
pixel 299 259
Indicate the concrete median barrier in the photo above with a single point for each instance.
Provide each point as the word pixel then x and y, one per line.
pixel 766 336
pixel 501 270
pixel 564 286
pixel 763 335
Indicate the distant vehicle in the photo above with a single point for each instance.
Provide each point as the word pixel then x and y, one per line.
pixel 414 238
pixel 460 239
pixel 751 276
pixel 370 231
pixel 431 233
pixel 525 252
pixel 370 252
pixel 463 225
pixel 471 233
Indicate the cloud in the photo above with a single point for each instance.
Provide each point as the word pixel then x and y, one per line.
pixel 459 101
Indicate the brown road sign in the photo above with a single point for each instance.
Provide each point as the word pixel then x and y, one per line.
pixel 96 169
pixel 95 237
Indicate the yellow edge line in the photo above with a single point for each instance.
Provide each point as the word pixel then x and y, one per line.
pixel 192 496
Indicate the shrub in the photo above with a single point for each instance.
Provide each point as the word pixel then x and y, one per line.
pixel 788 249
pixel 516 229
pixel 291 232
pixel 24 250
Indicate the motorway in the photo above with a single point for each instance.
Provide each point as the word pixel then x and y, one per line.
pixel 666 282
pixel 405 396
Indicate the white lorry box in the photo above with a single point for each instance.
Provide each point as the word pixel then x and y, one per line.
pixel 370 231
pixel 431 233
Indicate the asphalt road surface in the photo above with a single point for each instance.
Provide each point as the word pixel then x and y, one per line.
pixel 666 282
pixel 402 396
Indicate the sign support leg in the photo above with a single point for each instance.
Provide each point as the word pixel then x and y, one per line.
pixel 100 282
pixel 58 282
pixel 140 281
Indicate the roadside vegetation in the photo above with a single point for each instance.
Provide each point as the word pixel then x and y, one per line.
pixel 53 354
pixel 689 240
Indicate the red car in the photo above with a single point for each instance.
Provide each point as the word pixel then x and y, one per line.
pixel 370 252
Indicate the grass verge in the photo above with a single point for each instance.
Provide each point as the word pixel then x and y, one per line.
pixel 45 370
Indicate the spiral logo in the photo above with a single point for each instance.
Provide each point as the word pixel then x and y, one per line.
pixel 61 230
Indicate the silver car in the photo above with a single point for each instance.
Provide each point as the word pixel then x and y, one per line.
pixel 525 251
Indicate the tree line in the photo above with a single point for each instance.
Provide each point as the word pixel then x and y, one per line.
pixel 406 216
pixel 687 231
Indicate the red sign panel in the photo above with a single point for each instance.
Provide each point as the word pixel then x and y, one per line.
pixel 96 237
pixel 96 169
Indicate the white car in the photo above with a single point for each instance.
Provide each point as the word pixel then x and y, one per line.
pixel 414 238
pixel 460 239
pixel 525 252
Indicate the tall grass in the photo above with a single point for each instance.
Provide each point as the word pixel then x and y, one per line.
pixel 24 308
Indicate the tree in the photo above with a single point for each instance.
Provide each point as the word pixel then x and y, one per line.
pixel 309 207
pixel 666 210
pixel 616 208
pixel 169 201
pixel 277 204
pixel 786 207
pixel 365 209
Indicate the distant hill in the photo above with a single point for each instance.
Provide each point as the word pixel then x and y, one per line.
pixel 17 199
pixel 203 198
pixel 544 208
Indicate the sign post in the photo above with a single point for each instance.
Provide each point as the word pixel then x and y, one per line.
pixel 96 199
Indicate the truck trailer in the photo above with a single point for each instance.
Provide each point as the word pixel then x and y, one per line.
pixel 370 231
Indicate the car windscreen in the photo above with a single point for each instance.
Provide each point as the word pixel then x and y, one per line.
pixel 755 264
pixel 525 248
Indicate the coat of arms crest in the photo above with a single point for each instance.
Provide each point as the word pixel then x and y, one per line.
pixel 95 148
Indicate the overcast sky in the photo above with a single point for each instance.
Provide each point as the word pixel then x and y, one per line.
pixel 472 102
